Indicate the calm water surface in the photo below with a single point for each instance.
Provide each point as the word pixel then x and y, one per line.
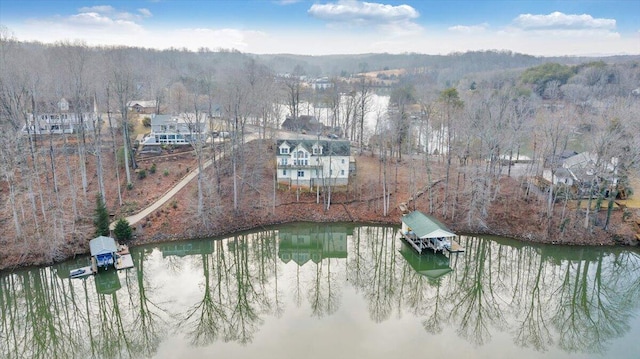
pixel 330 291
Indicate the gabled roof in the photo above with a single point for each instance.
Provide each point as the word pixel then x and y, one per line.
pixel 144 103
pixel 304 122
pixel 102 245
pixel 426 226
pixel 329 148
pixel 581 160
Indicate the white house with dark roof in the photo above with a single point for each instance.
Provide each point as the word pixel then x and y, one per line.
pixel 313 163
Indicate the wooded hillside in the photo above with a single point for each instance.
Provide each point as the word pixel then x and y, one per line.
pixel 475 114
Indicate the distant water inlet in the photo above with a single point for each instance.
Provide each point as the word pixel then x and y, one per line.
pixel 334 290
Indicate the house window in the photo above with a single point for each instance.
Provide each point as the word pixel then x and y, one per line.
pixel 284 172
pixel 300 173
pixel 330 172
pixel 341 172
pixel 284 161
pixel 284 150
pixel 342 161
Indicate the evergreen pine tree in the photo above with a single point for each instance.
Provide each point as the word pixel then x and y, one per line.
pixel 122 230
pixel 101 219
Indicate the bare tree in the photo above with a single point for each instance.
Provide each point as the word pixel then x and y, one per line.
pixel 451 104
pixel 124 89
pixel 293 90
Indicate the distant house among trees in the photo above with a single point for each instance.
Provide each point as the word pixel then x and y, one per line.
pixel 146 107
pixel 313 163
pixel 582 170
pixel 176 130
pixel 311 125
pixel 63 117
pixel 308 124
pixel 322 83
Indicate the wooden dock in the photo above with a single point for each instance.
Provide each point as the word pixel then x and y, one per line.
pixel 123 258
pixel 420 245
pixel 124 261
pixel 455 247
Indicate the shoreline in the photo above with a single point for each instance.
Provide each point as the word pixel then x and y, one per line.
pixel 390 220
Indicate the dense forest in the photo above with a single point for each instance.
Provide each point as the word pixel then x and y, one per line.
pixel 477 114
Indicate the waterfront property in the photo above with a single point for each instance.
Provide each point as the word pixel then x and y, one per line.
pixel 424 232
pixel 105 253
pixel 314 163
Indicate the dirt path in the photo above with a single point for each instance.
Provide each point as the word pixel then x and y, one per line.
pixel 135 218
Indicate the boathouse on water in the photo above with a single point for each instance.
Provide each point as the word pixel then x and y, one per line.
pixel 425 232
pixel 103 250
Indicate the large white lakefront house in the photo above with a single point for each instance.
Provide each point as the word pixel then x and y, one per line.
pixel 313 163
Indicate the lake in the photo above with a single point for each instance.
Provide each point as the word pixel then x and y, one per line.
pixel 330 291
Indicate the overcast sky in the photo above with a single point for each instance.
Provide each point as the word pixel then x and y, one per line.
pixel 537 27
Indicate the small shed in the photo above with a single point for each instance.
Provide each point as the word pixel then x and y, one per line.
pixel 103 250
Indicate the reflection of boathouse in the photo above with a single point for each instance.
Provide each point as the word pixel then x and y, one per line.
pixel 430 265
pixel 302 243
pixel 107 282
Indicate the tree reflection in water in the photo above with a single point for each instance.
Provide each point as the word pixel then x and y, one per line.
pixel 545 298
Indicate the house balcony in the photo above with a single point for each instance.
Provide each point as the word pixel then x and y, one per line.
pixel 298 166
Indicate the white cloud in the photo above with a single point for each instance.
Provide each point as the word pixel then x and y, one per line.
pixel 469 29
pixel 397 33
pixel 111 12
pixel 576 30
pixel 195 38
pixel 359 12
pixel 97 25
pixel 101 9
pixel 91 21
pixel 145 12
pixel 561 21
